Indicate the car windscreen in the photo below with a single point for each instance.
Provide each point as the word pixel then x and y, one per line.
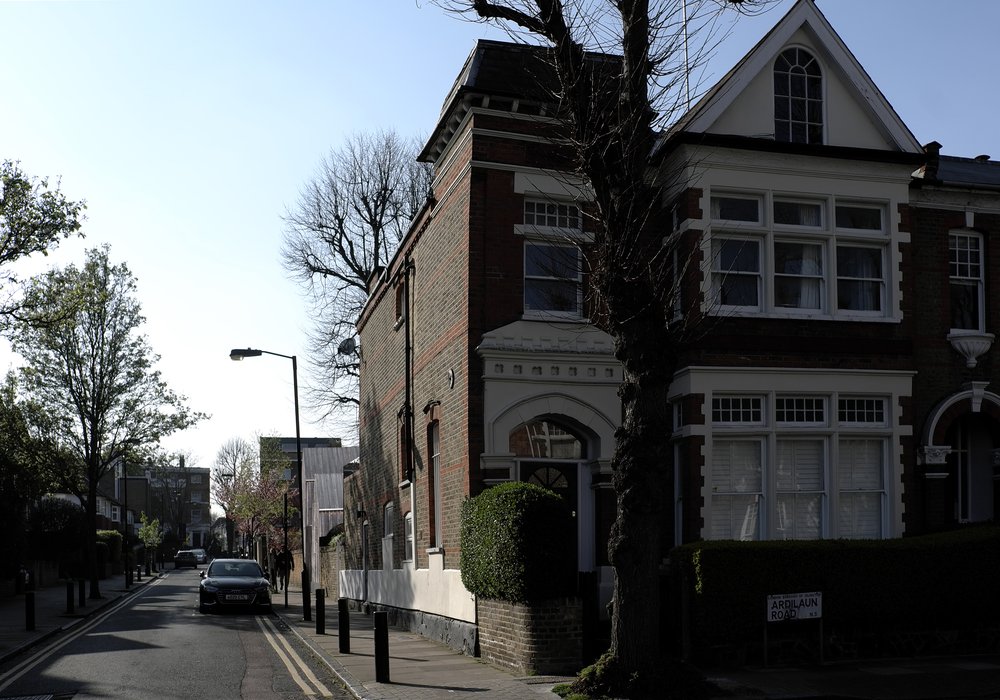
pixel 235 568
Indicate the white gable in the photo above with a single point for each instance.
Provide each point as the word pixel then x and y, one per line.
pixel 855 113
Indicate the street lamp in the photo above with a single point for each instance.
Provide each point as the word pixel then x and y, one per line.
pixel 238 354
pixel 125 533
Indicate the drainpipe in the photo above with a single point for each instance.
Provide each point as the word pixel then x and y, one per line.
pixel 408 369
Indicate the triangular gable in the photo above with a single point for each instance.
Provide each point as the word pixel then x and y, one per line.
pixel 857 114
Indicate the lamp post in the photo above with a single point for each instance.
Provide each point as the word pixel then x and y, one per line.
pixel 125 538
pixel 238 354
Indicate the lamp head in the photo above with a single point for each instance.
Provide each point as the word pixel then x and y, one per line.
pixel 237 354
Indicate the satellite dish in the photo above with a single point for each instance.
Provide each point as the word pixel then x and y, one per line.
pixel 347 346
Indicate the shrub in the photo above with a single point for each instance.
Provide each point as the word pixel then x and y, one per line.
pixel 518 544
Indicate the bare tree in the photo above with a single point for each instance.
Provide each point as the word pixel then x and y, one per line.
pixel 347 224
pixel 623 71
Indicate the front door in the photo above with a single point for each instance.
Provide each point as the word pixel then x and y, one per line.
pixel 560 478
pixel 972 446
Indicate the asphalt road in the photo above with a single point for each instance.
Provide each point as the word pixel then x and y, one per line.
pixel 155 644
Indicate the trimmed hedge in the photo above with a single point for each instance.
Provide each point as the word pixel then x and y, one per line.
pixel 872 590
pixel 518 544
pixel 113 540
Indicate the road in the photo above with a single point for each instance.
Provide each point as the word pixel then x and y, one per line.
pixel 155 644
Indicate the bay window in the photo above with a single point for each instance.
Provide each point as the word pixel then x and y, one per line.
pixel 797 261
pixel 782 467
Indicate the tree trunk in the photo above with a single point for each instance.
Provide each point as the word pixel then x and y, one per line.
pixel 90 542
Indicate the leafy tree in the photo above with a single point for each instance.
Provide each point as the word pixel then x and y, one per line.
pixel 92 376
pixel 347 224
pixel 21 480
pixel 34 217
pixel 609 114
pixel 150 534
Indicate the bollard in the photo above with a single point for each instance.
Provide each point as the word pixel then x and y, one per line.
pixel 344 626
pixel 69 596
pixel 306 614
pixel 382 647
pixel 82 593
pixel 138 572
pixel 320 611
pixel 29 611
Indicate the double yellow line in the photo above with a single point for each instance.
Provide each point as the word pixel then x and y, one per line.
pixel 296 667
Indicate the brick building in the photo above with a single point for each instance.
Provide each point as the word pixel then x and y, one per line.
pixel 841 390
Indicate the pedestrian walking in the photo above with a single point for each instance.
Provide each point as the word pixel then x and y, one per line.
pixel 287 566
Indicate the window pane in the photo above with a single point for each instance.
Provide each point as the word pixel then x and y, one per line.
pixel 861 464
pixel 799 517
pixel 800 465
pixel 551 261
pixel 965 306
pixel 736 209
pixel 857 217
pixel 732 255
pixel 859 283
pixel 735 518
pixel 860 516
pixel 548 295
pixel 798 213
pixel 736 466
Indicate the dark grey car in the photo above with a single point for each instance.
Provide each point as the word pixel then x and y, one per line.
pixel 231 583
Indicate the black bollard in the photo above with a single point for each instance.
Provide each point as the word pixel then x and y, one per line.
pixel 306 613
pixel 29 611
pixel 69 596
pixel 81 593
pixel 320 611
pixel 344 626
pixel 138 572
pixel 382 647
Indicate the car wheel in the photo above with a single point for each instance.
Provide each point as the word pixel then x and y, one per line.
pixel 203 609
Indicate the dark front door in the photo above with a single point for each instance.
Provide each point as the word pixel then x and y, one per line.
pixel 559 477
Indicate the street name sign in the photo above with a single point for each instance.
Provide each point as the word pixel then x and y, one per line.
pixel 794 606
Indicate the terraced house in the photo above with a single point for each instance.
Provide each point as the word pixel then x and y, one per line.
pixel 842 388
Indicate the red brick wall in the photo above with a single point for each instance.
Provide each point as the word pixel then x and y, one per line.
pixel 539 639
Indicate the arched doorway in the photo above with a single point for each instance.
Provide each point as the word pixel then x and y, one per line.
pixel 550 454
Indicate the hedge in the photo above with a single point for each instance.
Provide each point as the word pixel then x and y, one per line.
pixel 518 544
pixel 873 590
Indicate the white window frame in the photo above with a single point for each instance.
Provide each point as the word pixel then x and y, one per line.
pixel 807 122
pixel 821 281
pixel 967 280
pixel 575 313
pixel 408 550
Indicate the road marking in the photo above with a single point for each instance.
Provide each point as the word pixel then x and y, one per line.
pixel 277 641
pixel 75 632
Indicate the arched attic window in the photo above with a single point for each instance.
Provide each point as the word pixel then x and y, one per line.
pixel 798 97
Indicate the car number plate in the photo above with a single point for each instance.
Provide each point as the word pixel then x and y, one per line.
pixel 237 597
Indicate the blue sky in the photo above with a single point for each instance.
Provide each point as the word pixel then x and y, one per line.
pixel 190 126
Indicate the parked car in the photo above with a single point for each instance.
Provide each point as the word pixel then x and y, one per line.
pixel 185 557
pixel 201 555
pixel 228 583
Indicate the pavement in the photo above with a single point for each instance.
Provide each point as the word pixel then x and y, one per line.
pixel 420 669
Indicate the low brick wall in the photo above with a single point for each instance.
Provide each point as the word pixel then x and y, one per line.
pixel 537 639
